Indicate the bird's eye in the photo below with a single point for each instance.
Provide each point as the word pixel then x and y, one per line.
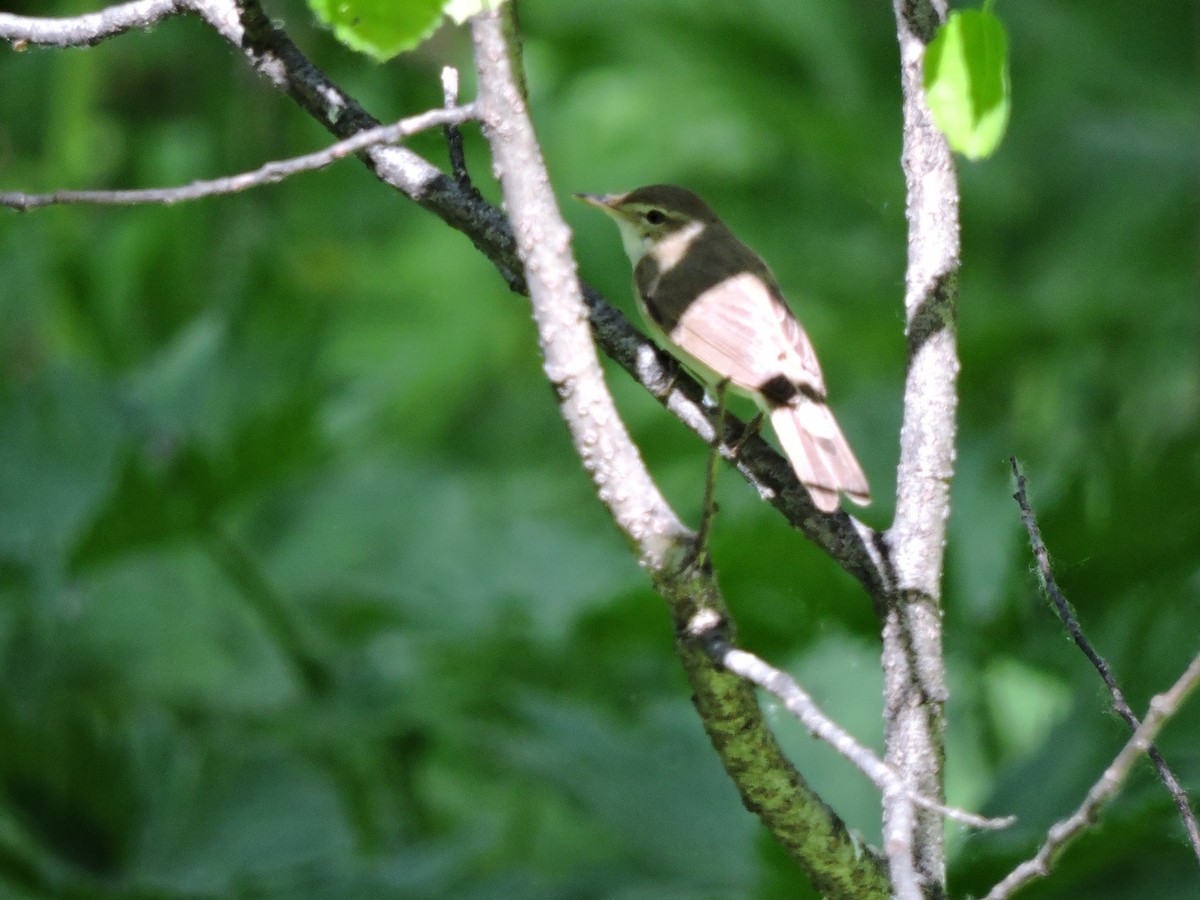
pixel 655 217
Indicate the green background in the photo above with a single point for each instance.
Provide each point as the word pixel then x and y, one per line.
pixel 304 594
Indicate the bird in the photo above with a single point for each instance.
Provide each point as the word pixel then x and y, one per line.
pixel 712 302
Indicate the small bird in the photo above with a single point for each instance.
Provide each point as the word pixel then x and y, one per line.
pixel 711 302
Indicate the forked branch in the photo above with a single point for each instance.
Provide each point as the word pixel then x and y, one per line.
pixel 1071 622
pixel 1162 708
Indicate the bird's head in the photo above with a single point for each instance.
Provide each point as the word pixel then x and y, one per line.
pixel 648 217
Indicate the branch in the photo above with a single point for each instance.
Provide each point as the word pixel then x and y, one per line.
pixel 454 138
pixel 89 29
pixel 914 673
pixel 1162 708
pixel 1067 616
pixel 269 173
pixel 770 786
pixel 710 631
pixel 570 362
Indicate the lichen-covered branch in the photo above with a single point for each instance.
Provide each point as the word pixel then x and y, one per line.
pixel 800 704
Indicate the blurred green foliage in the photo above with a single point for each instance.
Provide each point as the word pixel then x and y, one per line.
pixel 303 594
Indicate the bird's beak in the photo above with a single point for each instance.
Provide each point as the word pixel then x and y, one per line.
pixel 605 202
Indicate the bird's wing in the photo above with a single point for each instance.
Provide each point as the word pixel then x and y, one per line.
pixel 741 329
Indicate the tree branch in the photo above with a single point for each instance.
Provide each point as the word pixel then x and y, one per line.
pixel 914 674
pixel 1162 708
pixel 770 786
pixel 570 362
pixel 270 173
pixel 454 138
pixel 1067 616
pixel 89 29
pixel 800 704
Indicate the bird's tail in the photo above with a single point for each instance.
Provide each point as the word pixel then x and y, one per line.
pixel 818 451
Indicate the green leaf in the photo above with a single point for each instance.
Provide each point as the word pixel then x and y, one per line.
pixel 380 28
pixel 966 82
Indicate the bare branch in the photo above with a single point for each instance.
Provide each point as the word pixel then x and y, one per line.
pixel 1071 623
pixel 914 673
pixel 92 28
pixel 270 173
pixel 800 703
pixel 1162 708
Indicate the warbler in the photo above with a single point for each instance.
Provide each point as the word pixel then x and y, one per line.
pixel 711 302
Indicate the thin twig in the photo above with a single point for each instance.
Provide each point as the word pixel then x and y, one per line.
pixel 1067 616
pixel 272 172
pixel 898 845
pixel 800 703
pixel 709 510
pixel 1162 708
pixel 454 138
pixel 91 28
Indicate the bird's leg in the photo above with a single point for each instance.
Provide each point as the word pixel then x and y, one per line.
pixel 710 478
pixel 669 377
pixel 752 428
